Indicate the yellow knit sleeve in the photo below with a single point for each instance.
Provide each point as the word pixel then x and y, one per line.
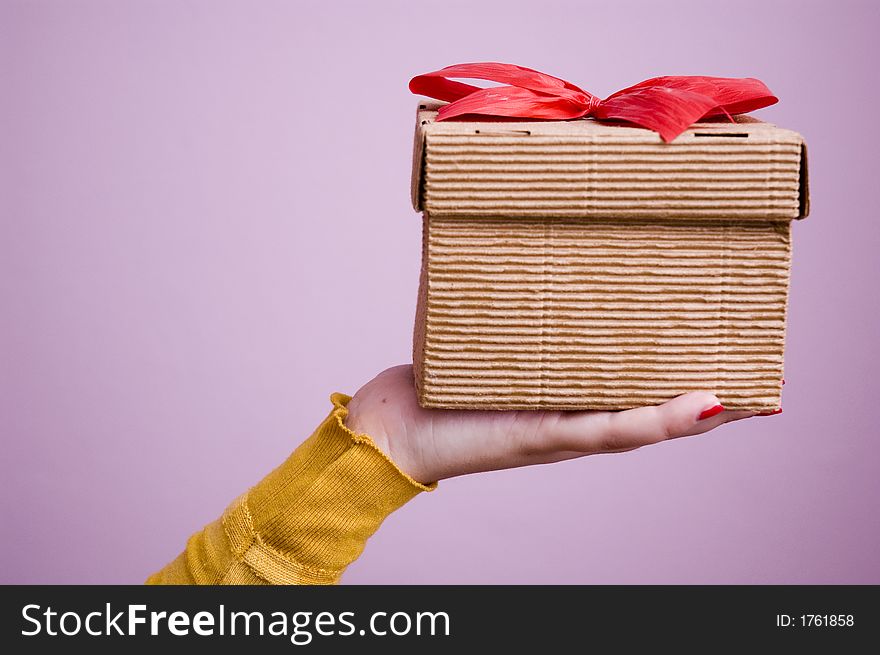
pixel 305 521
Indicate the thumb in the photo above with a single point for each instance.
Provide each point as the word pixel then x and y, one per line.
pixel 697 412
pixel 691 413
pixel 595 432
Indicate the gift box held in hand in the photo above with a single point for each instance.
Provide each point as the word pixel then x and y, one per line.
pixel 585 264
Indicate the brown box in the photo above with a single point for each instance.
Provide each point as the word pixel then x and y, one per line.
pixel 588 265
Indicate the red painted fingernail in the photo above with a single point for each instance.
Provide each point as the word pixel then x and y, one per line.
pixel 773 413
pixel 712 411
pixel 783 381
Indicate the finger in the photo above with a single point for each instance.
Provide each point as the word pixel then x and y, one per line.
pixel 726 416
pixel 594 432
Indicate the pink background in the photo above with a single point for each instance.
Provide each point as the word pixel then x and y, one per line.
pixel 206 229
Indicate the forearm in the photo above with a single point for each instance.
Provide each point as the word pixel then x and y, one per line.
pixel 306 521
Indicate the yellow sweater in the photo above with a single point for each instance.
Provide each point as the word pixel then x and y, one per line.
pixel 305 521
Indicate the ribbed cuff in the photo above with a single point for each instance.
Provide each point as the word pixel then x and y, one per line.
pixel 311 517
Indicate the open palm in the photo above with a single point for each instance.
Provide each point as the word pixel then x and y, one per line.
pixel 433 444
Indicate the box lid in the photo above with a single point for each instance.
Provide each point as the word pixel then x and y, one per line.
pixel 587 168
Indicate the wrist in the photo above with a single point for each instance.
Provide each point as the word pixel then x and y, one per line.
pixel 370 416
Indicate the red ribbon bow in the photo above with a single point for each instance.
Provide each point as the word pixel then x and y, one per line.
pixel 667 105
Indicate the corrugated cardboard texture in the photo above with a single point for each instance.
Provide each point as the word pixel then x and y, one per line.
pixel 555 313
pixel 743 170
pixel 574 265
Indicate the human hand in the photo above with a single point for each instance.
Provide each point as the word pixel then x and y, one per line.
pixel 433 444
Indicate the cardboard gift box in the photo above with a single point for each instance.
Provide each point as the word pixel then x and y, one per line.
pixel 589 265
